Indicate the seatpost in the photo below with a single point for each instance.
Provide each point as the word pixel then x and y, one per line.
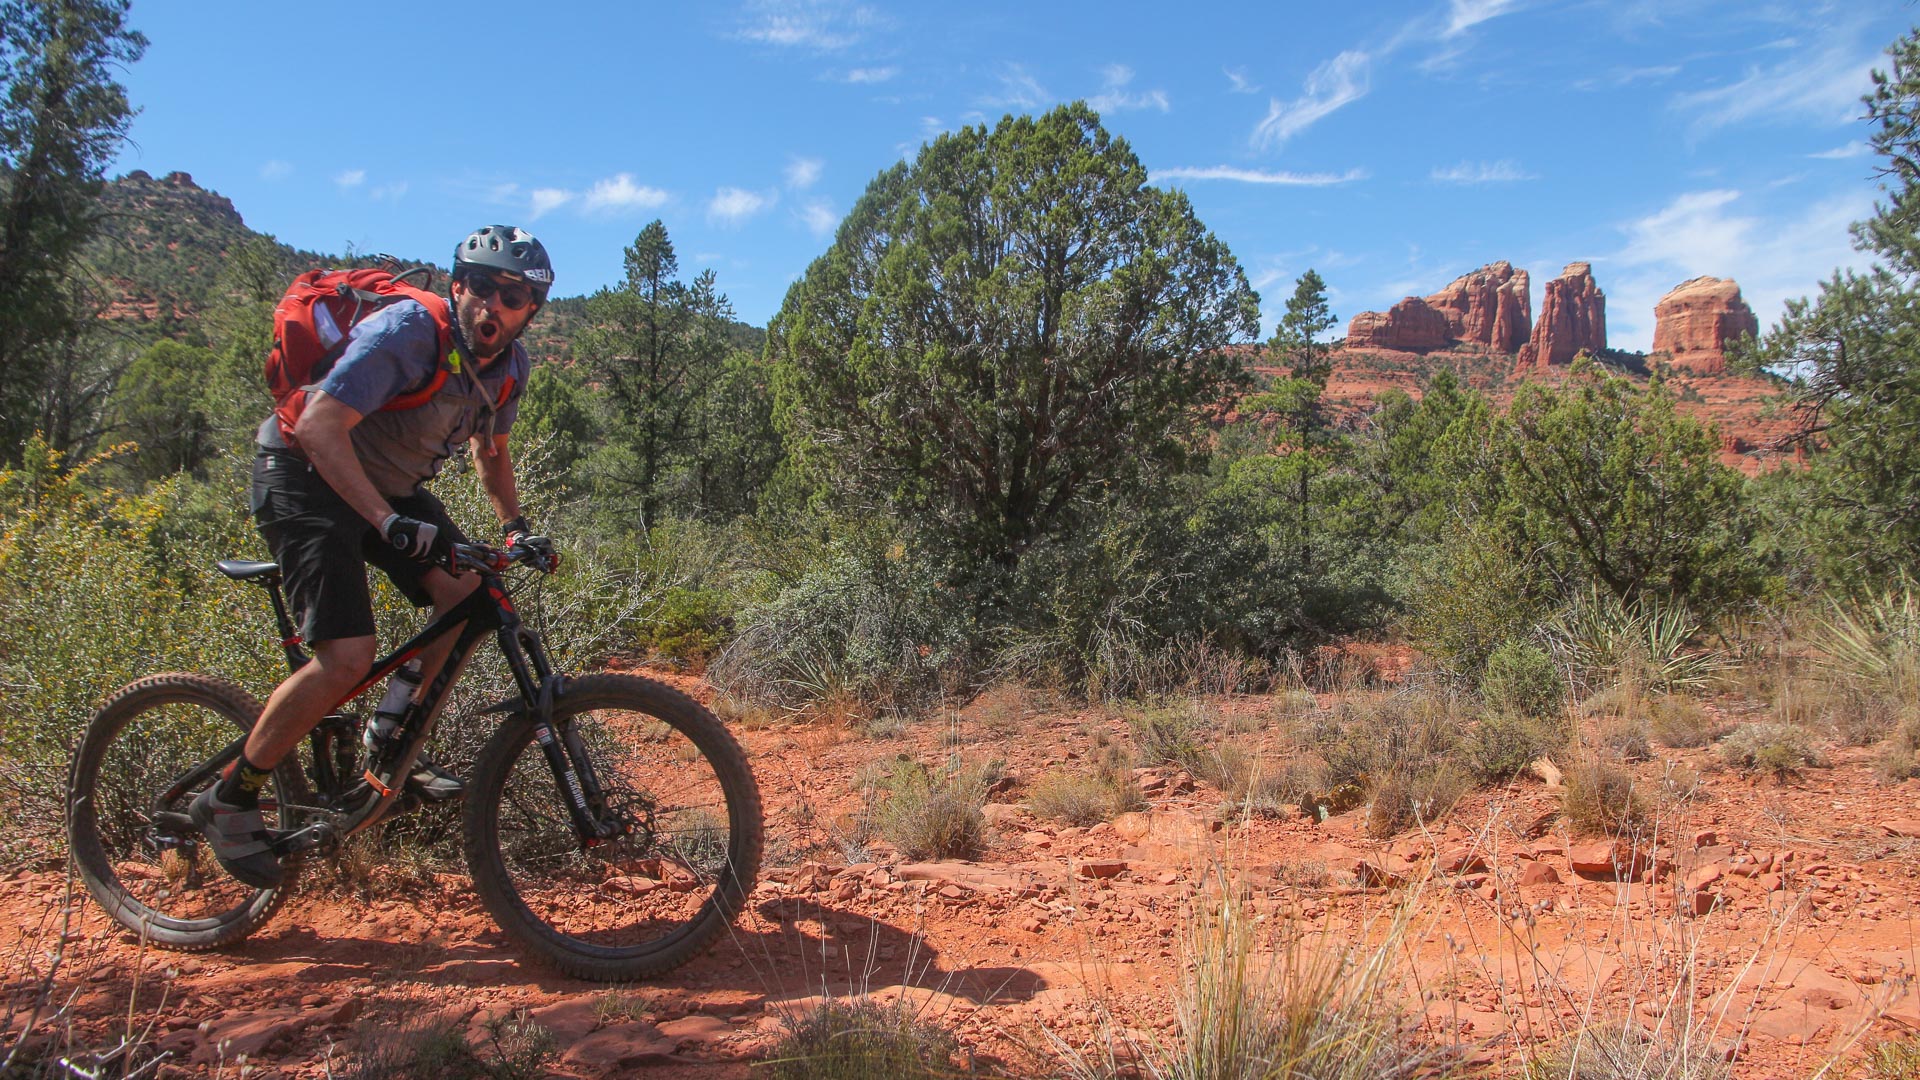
pixel 289 641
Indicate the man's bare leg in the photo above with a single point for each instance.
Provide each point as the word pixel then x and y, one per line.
pixel 299 702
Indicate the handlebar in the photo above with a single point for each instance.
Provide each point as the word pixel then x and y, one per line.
pixel 492 560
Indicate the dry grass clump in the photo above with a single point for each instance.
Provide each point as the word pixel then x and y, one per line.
pixel 1900 757
pixel 935 814
pixel 1310 1008
pixel 1626 739
pixel 1083 798
pixel 1501 746
pixel 1602 798
pixel 1681 722
pixel 1399 752
pixel 1177 733
pixel 1781 749
pixel 1257 786
pixel 1627 1051
pixel 1895 1059
pixel 860 1039
pixel 516 1048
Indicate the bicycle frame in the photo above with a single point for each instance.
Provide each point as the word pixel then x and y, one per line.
pixel 350 804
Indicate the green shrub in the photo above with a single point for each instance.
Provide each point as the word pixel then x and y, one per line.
pixel 871 624
pixel 692 624
pixel 1522 679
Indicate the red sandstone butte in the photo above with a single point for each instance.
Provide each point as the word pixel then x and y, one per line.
pixel 1491 306
pixel 1573 317
pixel 1698 320
pixel 1409 326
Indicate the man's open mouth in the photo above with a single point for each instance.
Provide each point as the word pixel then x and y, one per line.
pixel 488 330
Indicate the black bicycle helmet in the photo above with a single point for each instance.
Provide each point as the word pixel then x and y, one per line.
pixel 508 248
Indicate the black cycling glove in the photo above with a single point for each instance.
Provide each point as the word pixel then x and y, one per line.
pixel 420 541
pixel 520 535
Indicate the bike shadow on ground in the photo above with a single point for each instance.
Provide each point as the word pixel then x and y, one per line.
pixel 776 950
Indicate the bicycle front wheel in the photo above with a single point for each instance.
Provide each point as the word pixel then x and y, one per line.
pixel 641 903
pixel 150 749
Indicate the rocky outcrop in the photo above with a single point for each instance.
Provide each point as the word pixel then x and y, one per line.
pixel 1409 326
pixel 1491 306
pixel 1573 318
pixel 1698 320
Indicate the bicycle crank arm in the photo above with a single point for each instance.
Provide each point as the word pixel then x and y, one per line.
pixel 319 836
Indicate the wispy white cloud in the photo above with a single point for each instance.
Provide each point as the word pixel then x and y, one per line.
pixel 823 25
pixel 1114 96
pixel 1258 176
pixel 732 206
pixel 1849 150
pixel 389 192
pixel 1464 15
pixel 1482 172
pixel 618 193
pixel 1774 257
pixel 501 193
pixel 1336 83
pixel 546 200
pixel 351 178
pixel 865 75
pixel 1822 83
pixel 803 172
pixel 1018 90
pixel 819 217
pixel 1238 82
pixel 276 170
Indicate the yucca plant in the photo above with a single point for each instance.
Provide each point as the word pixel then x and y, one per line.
pixel 1877 641
pixel 1648 643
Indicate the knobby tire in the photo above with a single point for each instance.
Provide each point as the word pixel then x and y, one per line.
pixel 638 906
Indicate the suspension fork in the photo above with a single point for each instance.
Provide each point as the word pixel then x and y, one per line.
pixel 566 753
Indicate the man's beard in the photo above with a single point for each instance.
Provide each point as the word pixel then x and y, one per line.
pixel 474 324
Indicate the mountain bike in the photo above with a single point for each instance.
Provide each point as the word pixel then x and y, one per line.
pixel 612 825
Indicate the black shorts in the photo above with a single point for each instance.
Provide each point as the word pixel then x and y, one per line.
pixel 323 547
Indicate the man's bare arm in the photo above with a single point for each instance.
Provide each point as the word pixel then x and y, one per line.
pixel 496 477
pixel 324 434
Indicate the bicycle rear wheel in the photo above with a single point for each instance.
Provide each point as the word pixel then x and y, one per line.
pixel 639 904
pixel 149 750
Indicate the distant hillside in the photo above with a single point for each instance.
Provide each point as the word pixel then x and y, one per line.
pixel 164 241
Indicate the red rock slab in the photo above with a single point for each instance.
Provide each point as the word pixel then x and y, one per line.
pixel 624 1046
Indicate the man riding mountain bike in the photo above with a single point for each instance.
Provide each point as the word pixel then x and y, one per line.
pixel 342 487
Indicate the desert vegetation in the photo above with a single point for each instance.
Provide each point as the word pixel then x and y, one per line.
pixel 1006 443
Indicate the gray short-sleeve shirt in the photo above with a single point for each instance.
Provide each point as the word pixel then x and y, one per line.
pixel 395 351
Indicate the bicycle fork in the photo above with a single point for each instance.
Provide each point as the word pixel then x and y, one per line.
pixel 566 754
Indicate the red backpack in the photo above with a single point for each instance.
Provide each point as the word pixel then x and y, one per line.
pixel 310 325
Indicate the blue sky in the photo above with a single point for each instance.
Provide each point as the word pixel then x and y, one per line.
pixel 1390 145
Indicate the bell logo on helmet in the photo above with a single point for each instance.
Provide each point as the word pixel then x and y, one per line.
pixel 540 274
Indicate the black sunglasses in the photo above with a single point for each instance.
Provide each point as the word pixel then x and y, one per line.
pixel 513 296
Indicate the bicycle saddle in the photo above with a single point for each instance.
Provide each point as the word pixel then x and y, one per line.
pixel 243 570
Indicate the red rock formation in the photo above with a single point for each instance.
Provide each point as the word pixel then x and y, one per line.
pixel 1573 316
pixel 1409 326
pixel 1491 306
pixel 1697 320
